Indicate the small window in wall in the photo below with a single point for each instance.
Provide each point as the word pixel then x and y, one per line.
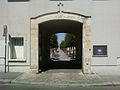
pixel 18 0
pixel 17 48
pixel 99 50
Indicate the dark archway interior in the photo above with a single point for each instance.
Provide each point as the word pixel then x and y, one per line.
pixel 59 26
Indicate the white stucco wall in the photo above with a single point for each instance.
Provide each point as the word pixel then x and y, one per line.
pixel 105 26
pixel 105 22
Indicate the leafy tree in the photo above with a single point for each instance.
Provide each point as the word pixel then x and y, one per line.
pixel 69 42
pixel 53 41
pixel 63 44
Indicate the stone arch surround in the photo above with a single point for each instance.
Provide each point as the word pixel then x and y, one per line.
pixel 86 36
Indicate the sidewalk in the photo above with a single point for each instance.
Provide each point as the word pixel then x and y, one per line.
pixel 72 77
pixel 108 73
pixel 8 77
pixel 105 75
pixel 59 77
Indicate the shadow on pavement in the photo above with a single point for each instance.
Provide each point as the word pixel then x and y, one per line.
pixel 62 65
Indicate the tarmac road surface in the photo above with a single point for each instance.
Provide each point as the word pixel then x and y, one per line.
pixel 47 87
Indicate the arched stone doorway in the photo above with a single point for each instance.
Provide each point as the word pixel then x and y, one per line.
pixel 81 22
pixel 48 28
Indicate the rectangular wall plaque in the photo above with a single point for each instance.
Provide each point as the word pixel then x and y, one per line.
pixel 100 51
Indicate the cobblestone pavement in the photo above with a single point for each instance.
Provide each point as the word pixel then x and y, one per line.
pixel 63 77
pixel 106 76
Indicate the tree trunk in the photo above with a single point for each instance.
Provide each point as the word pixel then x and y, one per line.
pixel 73 53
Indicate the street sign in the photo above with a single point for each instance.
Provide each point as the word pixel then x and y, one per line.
pixel 5 30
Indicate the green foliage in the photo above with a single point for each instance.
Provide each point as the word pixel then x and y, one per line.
pixel 70 40
pixel 63 44
pixel 53 41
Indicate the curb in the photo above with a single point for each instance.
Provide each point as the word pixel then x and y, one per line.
pixel 82 85
pixel 4 81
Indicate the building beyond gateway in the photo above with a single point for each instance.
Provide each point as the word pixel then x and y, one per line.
pixel 28 22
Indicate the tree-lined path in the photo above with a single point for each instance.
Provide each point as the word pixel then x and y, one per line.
pixel 61 56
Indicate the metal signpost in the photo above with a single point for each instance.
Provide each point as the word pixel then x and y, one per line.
pixel 5 35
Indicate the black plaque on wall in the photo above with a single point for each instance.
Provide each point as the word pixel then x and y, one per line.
pixel 99 50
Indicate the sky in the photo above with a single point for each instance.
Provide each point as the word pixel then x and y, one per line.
pixel 61 37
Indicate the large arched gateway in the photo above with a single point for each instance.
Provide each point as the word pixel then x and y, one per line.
pixel 67 22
